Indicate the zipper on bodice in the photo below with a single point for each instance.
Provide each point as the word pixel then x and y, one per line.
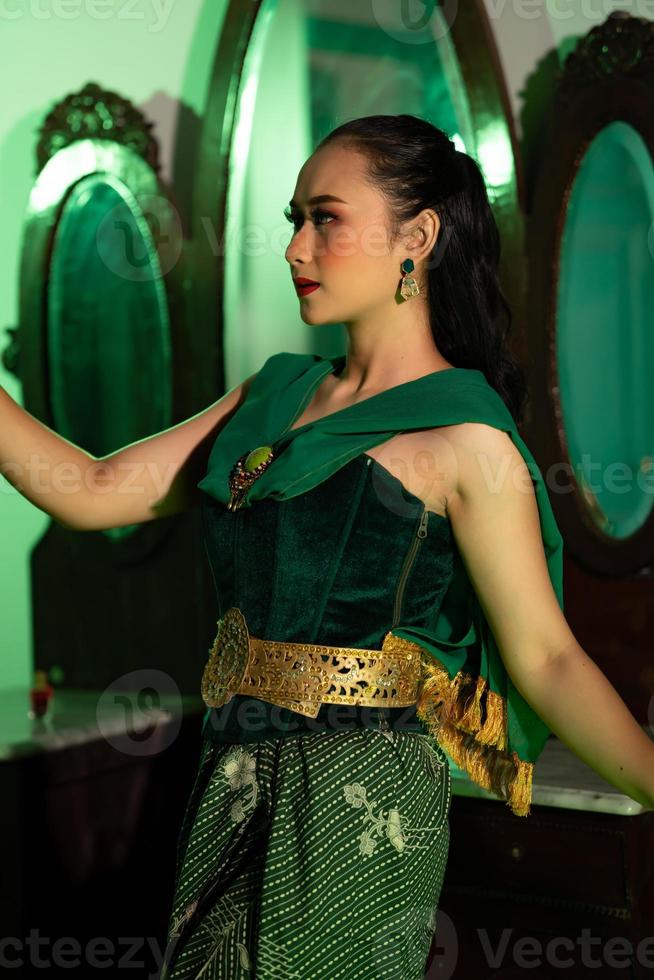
pixel 412 553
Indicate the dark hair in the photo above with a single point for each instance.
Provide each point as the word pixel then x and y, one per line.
pixel 415 165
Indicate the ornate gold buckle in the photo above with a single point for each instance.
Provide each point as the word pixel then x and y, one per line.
pixel 228 660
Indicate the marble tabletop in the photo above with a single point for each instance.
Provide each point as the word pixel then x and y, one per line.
pixel 76 717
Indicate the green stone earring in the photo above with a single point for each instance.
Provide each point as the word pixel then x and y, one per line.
pixel 409 286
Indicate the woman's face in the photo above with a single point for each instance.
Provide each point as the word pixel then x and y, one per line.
pixel 344 245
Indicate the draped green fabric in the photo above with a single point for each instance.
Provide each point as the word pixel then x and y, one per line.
pixel 462 640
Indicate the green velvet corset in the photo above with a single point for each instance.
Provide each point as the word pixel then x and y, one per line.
pixel 324 549
pixel 340 565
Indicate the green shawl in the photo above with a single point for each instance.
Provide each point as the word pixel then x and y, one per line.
pixel 468 700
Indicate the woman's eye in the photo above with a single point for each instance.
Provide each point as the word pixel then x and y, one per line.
pixel 322 214
pixel 295 220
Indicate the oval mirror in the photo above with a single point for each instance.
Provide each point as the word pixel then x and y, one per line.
pixel 108 343
pixel 604 341
pixel 304 67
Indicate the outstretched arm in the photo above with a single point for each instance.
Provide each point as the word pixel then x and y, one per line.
pixel 496 524
pixel 153 477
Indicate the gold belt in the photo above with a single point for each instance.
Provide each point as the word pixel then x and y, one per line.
pixel 302 676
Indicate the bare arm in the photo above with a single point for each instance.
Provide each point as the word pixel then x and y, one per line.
pixel 496 524
pixel 154 477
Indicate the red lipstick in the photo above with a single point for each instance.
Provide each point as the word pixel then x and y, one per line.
pixel 305 286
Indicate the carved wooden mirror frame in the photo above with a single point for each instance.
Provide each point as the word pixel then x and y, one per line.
pixel 609 77
pixel 96 133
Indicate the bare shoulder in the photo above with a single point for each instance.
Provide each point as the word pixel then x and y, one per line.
pixel 440 464
pixel 474 437
pixel 424 462
pixel 482 453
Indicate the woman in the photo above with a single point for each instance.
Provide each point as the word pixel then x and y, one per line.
pixel 368 620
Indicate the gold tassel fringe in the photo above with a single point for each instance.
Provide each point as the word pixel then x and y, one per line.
pixel 452 711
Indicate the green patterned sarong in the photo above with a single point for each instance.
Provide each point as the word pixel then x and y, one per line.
pixel 312 856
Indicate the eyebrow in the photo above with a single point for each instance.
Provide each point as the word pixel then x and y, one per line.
pixel 320 199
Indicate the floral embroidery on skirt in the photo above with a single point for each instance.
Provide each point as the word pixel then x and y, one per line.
pixel 271 882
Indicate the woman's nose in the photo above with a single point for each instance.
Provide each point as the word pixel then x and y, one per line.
pixel 302 245
pixel 298 248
